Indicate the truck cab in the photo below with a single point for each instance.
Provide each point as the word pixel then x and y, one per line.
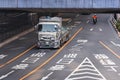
pixel 51 34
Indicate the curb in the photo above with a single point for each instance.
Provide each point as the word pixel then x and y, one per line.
pixel 15 37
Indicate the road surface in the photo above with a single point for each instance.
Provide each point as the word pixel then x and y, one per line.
pixel 92 53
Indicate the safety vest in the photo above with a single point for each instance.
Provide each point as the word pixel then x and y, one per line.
pixel 94 17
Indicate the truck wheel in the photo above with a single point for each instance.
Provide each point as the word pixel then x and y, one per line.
pixel 60 44
pixel 67 37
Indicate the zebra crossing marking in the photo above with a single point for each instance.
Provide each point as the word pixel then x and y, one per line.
pixel 86 70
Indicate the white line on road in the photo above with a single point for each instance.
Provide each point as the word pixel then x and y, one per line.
pixel 118 45
pixel 6 75
pixel 46 77
pixel 87 21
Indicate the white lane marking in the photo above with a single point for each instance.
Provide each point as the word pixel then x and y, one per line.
pixel 2 56
pixel 75 48
pixel 39 54
pixel 82 41
pixel 20 66
pixel 33 57
pixel 70 55
pixel 86 70
pixel 118 45
pixel 65 61
pixel 6 75
pixel 91 29
pixel 46 77
pixel 87 21
pixel 112 68
pixel 104 60
pixel 30 60
pixel 57 67
pixel 100 29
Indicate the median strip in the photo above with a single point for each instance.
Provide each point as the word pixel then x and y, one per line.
pixel 109 49
pixel 56 53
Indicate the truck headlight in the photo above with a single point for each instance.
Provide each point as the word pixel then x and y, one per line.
pixel 41 38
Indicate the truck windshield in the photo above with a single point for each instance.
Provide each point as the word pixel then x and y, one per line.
pixel 47 27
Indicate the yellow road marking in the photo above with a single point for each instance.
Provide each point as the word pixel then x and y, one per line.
pixel 109 49
pixel 13 59
pixel 56 53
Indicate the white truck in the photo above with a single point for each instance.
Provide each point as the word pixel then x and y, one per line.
pixel 51 33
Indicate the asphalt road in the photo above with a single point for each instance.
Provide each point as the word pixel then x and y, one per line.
pixel 92 53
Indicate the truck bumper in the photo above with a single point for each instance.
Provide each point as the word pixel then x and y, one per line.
pixel 48 44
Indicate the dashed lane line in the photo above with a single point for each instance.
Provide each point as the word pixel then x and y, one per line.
pixel 55 54
pixel 109 49
pixel 18 56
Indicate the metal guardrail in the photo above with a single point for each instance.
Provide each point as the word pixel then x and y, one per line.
pixel 114 22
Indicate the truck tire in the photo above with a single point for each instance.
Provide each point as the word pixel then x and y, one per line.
pixel 67 37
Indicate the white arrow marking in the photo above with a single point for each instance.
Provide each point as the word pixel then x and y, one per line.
pixel 4 76
pixel 46 77
pixel 112 68
pixel 2 56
